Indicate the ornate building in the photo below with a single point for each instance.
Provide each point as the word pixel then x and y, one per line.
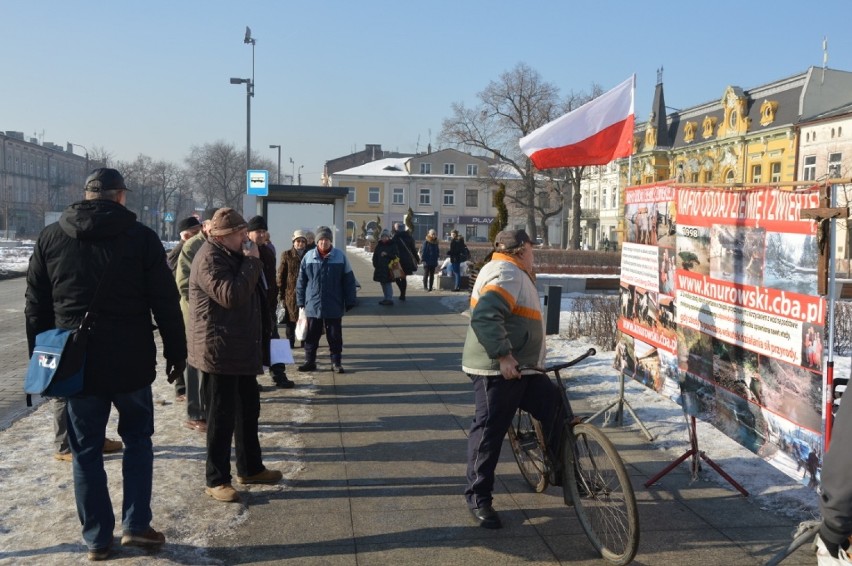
pixel 743 137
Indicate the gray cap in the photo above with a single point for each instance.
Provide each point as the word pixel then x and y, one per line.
pixel 508 240
pixel 323 232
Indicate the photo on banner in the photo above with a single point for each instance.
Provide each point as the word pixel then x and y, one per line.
pixel 731 313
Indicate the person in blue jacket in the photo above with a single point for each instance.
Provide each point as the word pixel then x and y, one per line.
pixel 326 289
pixel 429 253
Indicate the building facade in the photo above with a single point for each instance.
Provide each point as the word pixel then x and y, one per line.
pixel 825 152
pixel 446 190
pixel 37 181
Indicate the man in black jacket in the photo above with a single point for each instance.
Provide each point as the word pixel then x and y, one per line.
pixel 69 260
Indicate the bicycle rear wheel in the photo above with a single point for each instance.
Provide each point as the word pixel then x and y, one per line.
pixel 602 494
pixel 527 443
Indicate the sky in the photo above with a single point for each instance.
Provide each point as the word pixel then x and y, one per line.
pixel 152 77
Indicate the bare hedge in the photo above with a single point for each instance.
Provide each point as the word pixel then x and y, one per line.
pixel 595 317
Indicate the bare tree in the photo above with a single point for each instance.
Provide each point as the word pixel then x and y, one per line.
pixel 516 104
pixel 138 176
pixel 167 180
pixel 218 173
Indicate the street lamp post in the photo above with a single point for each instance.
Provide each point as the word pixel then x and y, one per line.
pixel 300 174
pixel 292 171
pixel 249 94
pixel 86 173
pixel 272 146
pixel 248 200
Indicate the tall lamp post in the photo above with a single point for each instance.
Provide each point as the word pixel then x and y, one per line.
pixel 292 171
pixel 300 174
pixel 272 146
pixel 248 201
pixel 86 172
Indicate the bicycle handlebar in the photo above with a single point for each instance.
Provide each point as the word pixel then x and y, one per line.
pixel 557 367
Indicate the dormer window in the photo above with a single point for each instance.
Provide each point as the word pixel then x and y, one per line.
pixel 708 127
pixel 767 112
pixel 689 131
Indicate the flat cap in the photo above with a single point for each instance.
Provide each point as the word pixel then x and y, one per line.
pixel 226 221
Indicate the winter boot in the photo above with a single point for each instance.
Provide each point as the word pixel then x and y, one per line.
pixel 279 376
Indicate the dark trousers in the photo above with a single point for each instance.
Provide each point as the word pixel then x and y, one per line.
pixel 233 409
pixel 496 401
pixel 333 333
pixel 402 283
pixel 428 276
pixel 290 332
pixel 195 399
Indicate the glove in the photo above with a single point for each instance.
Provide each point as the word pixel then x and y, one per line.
pixel 174 369
pixel 349 307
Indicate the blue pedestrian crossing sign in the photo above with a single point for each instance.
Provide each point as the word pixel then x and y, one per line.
pixel 257 181
pixel 168 217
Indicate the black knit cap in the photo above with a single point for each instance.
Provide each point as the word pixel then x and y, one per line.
pixel 105 179
pixel 187 223
pixel 257 223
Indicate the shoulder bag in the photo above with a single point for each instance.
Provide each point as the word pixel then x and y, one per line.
pixel 58 362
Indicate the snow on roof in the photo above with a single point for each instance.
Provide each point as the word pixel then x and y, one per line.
pixel 388 167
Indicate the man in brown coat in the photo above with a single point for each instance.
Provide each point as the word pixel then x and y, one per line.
pixel 227 325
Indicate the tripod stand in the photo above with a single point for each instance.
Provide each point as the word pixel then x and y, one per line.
pixel 622 403
pixel 694 452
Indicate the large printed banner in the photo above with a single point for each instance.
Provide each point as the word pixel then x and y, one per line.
pixel 718 298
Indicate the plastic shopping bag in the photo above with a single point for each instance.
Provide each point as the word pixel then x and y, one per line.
pixel 302 325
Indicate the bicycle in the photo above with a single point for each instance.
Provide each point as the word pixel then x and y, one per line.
pixel 804 534
pixel 590 471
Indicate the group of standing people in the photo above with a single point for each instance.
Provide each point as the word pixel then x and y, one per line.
pixel 395 257
pixel 213 300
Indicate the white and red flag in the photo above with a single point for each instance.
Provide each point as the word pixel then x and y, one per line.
pixel 593 134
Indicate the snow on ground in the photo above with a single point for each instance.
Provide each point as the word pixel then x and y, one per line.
pixel 38 502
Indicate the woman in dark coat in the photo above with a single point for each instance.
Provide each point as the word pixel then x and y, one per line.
pixel 288 275
pixel 408 257
pixel 385 252
pixel 429 254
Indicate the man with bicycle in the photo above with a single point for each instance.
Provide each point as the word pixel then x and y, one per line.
pixel 506 331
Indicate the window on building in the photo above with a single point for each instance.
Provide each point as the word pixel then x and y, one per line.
pixel 809 170
pixel 544 200
pixel 351 196
pixel 755 173
pixel 471 198
pixel 604 200
pixel 834 167
pixel 449 197
pixel 708 176
pixel 374 195
pixel 693 177
pixel 398 195
pixel 614 199
pixel 729 176
pixel 449 168
pixel 775 173
pixel 472 170
pixel 425 197
pixel 425 168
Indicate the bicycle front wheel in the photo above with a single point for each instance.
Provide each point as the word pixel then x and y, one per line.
pixel 602 494
pixel 527 443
